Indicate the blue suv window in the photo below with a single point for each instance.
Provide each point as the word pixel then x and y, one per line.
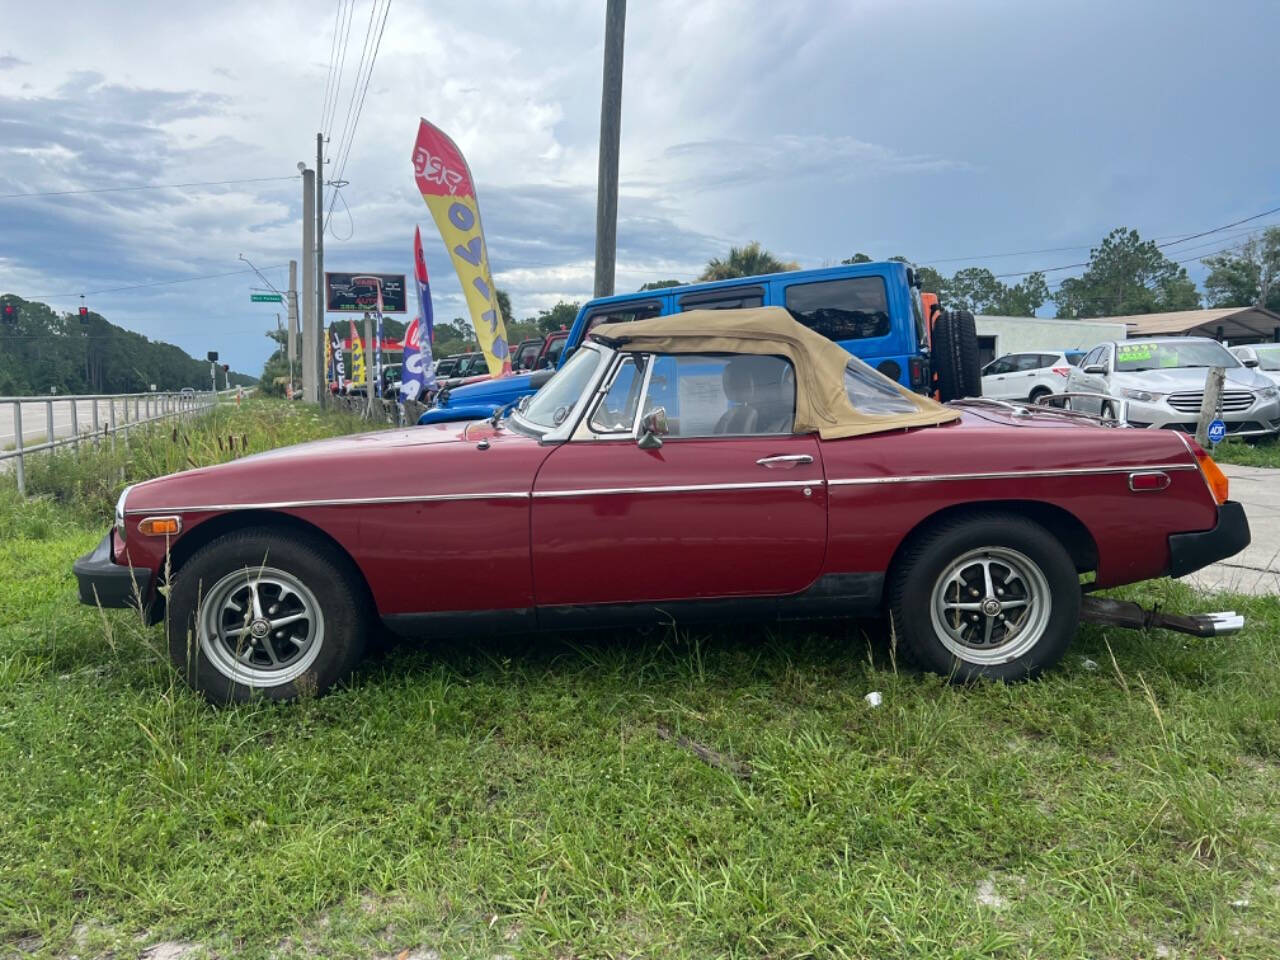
pixel 736 298
pixel 854 308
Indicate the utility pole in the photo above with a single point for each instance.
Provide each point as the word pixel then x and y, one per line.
pixel 292 352
pixel 310 325
pixel 615 20
pixel 320 291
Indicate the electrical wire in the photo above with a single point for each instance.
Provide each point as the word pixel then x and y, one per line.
pixel 153 283
pixel 1169 241
pixel 149 186
pixel 327 126
pixel 351 103
pixel 333 61
pixel 346 153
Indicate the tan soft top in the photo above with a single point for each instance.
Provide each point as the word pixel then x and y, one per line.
pixel 822 402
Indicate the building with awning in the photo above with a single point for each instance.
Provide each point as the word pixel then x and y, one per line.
pixel 1234 325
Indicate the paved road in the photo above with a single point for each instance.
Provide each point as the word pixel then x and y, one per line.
pixel 1256 569
pixel 35 422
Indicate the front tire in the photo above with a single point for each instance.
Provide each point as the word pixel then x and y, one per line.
pixel 985 596
pixel 256 614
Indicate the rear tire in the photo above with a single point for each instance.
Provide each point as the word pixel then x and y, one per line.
pixel 955 355
pixel 987 595
pixel 1038 393
pixel 262 614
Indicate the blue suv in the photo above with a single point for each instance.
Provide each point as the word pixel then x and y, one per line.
pixel 873 310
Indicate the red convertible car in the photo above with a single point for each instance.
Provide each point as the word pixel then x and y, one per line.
pixel 707 465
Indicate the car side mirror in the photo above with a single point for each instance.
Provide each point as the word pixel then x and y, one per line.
pixel 653 427
pixel 1096 369
pixel 1250 363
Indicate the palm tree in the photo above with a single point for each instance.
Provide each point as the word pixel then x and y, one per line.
pixel 749 261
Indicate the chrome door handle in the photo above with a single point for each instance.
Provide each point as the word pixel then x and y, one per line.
pixel 784 460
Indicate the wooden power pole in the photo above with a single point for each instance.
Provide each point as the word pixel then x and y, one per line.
pixel 615 20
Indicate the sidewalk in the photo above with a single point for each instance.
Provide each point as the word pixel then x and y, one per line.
pixel 1256 569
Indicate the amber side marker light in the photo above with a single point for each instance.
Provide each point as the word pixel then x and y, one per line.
pixel 1213 475
pixel 160 526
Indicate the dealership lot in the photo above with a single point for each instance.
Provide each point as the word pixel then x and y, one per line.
pixel 1256 569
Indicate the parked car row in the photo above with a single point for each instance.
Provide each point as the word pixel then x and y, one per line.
pixel 1159 382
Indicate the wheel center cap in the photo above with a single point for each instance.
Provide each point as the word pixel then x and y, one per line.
pixel 259 629
pixel 990 606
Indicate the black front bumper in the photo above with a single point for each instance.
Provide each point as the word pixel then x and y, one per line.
pixel 105 583
pixel 1189 552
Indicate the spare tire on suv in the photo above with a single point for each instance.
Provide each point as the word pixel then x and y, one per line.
pixel 955 355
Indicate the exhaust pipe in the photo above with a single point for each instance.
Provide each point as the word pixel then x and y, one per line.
pixel 1123 613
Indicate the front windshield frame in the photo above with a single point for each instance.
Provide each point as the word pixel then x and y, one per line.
pixel 1214 355
pixel 557 432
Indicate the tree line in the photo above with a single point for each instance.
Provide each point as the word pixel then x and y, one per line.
pixel 43 350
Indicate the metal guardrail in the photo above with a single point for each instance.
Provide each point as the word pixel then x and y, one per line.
pixel 109 414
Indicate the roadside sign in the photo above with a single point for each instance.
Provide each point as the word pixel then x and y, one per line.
pixel 265 298
pixel 1217 432
pixel 344 295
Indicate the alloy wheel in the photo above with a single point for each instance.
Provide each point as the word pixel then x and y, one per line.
pixel 991 605
pixel 261 627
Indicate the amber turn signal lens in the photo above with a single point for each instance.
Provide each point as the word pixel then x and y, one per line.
pixel 160 526
pixel 1213 476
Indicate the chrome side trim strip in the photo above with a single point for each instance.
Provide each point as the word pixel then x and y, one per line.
pixel 352 501
pixel 1009 474
pixel 676 488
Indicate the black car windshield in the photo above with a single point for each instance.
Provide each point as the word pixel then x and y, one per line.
pixel 1268 356
pixel 1137 355
pixel 548 408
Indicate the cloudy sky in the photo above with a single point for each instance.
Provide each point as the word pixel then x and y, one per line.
pixel 946 131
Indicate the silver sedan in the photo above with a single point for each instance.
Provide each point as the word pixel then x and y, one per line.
pixel 1163 379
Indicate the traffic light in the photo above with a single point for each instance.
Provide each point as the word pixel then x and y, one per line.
pixel 84 314
pixel 10 314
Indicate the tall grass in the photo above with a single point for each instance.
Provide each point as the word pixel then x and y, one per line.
pixel 85 482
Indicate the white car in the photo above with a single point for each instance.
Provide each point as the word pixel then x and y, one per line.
pixel 1263 357
pixel 1028 376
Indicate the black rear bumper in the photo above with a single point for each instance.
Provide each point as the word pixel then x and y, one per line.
pixel 105 583
pixel 1188 552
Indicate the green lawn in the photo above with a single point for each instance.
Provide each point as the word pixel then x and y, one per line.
pixel 1262 453
pixel 670 794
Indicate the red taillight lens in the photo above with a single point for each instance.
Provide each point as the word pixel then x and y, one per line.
pixel 918 372
pixel 1062 371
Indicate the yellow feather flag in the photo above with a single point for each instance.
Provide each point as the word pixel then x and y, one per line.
pixel 444 180
pixel 357 358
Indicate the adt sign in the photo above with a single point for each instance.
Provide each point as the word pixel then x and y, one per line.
pixel 1217 432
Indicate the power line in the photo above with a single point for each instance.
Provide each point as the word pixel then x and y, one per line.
pixel 333 60
pixel 363 93
pixel 1256 216
pixel 368 76
pixel 149 186
pixel 327 125
pixel 351 103
pixel 1170 240
pixel 153 283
